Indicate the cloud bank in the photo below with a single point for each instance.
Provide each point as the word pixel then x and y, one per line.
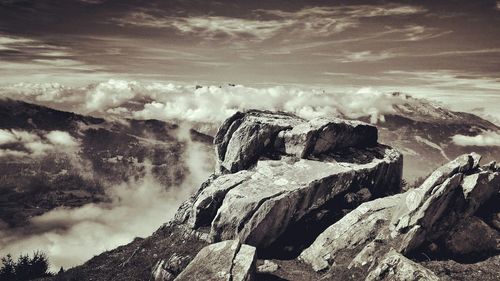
pixel 487 138
pixel 169 101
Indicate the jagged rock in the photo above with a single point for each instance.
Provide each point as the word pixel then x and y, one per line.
pixel 405 221
pixel 267 267
pixel 472 238
pixel 325 134
pixel 478 188
pixel 260 209
pixel 227 260
pixel 244 137
pixel 259 204
pixel 340 242
pixel 396 267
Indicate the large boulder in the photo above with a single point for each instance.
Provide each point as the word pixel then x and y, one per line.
pixel 244 137
pixel 415 221
pixel 225 261
pixel 320 135
pixel 280 169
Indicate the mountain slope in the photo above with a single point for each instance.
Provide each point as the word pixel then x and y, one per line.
pixel 51 158
pixel 423 132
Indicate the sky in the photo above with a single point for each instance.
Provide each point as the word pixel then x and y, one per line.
pixel 444 50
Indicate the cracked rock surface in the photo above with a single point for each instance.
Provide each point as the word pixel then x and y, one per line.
pixel 225 261
pixel 282 187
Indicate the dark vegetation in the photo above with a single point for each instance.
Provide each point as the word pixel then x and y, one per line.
pixel 25 267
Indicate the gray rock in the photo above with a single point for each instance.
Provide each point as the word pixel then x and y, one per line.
pixel 321 135
pixel 480 187
pixel 244 137
pixel 259 204
pixel 405 221
pixel 395 267
pixel 267 267
pixel 227 260
pixel 339 243
pixel 277 194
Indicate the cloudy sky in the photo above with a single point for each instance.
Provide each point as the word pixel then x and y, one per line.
pixel 447 50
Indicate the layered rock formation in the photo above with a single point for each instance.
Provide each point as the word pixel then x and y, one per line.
pixel 294 169
pixel 427 220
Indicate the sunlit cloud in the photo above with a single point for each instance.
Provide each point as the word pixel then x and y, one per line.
pixel 19 143
pixel 488 138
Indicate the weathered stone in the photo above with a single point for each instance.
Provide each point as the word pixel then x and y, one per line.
pixel 208 201
pixel 259 204
pixel 321 135
pixel 471 239
pixel 227 260
pixel 267 267
pixel 480 187
pixel 260 209
pixel 405 221
pixel 395 267
pixel 244 137
pixel 359 227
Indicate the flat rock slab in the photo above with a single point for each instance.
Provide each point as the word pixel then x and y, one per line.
pixel 224 261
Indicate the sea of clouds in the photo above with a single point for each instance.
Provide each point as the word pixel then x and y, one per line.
pixel 168 101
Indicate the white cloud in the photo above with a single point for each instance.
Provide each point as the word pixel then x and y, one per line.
pixel 63 139
pixel 167 101
pixel 110 94
pixel 487 138
pixel 7 137
pixel 34 145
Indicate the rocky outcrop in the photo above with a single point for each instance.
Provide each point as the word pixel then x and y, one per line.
pixel 395 266
pixel 321 135
pixel 294 170
pixel 244 137
pixel 421 219
pixel 225 261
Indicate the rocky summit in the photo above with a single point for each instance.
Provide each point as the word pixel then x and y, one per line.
pixel 320 199
pixel 279 172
